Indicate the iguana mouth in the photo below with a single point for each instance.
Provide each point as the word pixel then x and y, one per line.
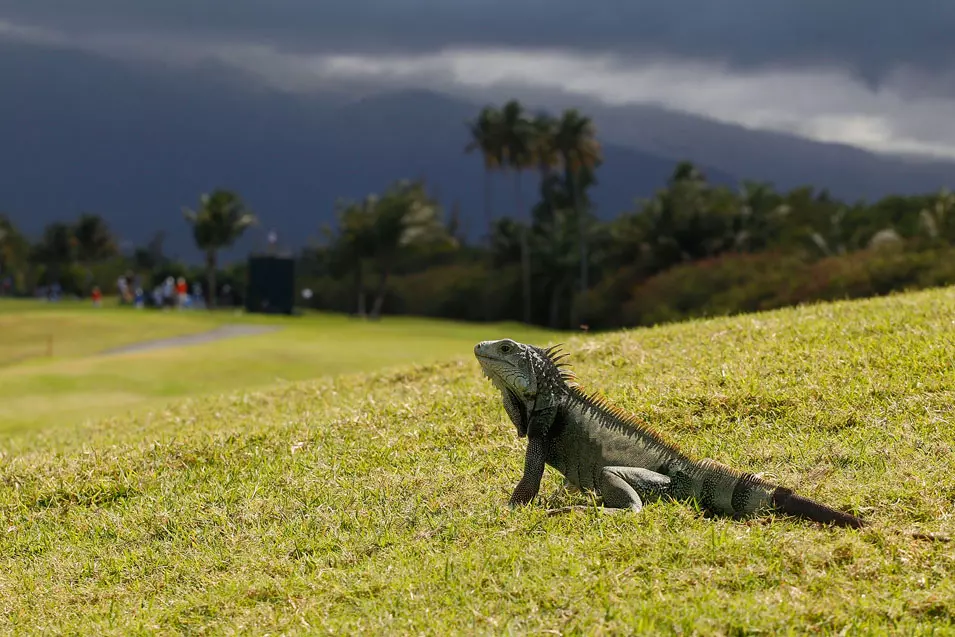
pixel 483 357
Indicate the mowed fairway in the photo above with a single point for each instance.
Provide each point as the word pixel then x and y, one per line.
pixel 375 502
pixel 31 331
pixel 45 397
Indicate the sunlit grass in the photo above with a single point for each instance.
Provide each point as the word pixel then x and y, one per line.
pixel 374 502
pixel 45 396
pixel 40 333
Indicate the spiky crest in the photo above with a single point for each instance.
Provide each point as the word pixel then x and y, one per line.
pixel 555 356
pixel 607 414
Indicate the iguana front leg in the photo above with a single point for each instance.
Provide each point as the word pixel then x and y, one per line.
pixel 530 482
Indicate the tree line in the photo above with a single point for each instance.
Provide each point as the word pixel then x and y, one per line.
pixel 85 254
pixel 693 248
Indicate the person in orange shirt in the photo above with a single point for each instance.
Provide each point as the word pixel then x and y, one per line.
pixel 97 296
pixel 181 291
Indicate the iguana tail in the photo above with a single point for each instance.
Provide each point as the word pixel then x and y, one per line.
pixel 785 501
pixel 726 490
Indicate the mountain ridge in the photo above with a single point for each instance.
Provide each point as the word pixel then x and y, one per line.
pixel 135 143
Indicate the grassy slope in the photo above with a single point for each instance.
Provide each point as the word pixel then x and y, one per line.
pixel 375 502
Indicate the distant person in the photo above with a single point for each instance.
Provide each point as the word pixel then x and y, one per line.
pixel 140 298
pixel 157 297
pixel 97 296
pixel 182 293
pixel 132 282
pixel 122 286
pixel 169 292
pixel 198 300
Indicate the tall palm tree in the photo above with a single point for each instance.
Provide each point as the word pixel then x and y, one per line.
pixel 575 142
pixel 554 240
pixel 220 220
pixel 486 136
pixel 543 144
pixel 517 134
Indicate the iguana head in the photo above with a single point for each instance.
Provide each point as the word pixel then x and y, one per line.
pixel 508 364
pixel 521 372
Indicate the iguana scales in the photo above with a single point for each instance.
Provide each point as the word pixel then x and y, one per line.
pixel 599 447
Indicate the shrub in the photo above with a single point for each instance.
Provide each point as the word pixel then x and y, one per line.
pixel 746 283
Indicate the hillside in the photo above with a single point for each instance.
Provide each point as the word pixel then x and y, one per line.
pixel 136 142
pixel 375 502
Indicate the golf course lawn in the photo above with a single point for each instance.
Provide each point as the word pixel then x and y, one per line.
pixel 352 478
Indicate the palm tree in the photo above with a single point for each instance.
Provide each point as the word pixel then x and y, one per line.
pixel 555 239
pixel 55 250
pixel 576 144
pixel 220 220
pixel 543 144
pixel 517 137
pixel 486 137
pixel 355 241
pixel 94 242
pixel 405 218
pixel 506 241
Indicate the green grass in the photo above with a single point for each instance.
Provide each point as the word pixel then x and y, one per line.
pixel 45 397
pixel 30 334
pixel 375 502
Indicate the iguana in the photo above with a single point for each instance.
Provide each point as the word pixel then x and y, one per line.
pixel 600 447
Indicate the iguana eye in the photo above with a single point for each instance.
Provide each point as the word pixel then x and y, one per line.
pixel 505 349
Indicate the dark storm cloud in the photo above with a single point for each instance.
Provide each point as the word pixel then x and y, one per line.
pixel 868 36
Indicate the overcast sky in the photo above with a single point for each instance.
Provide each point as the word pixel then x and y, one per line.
pixel 873 73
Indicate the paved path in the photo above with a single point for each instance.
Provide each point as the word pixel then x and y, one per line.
pixel 226 331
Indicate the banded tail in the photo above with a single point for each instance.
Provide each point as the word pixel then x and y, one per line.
pixel 722 488
pixel 785 501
